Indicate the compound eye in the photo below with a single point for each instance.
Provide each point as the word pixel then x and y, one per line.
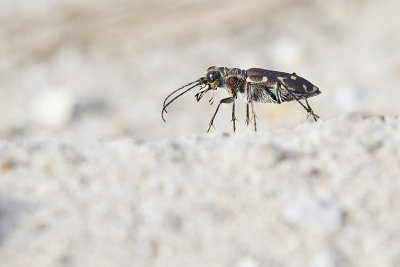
pixel 212 76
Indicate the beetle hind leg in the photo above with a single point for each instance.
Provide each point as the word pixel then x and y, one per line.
pixel 310 112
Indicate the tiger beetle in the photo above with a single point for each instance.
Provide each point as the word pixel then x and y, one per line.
pixel 259 85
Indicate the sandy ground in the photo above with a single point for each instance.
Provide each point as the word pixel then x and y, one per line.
pixel 320 194
pixel 91 176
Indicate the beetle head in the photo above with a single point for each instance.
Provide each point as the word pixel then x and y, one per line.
pixel 213 77
pixel 210 81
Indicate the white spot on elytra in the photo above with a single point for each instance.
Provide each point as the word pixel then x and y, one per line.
pixel 305 87
pixel 263 80
pixel 293 77
pixel 281 78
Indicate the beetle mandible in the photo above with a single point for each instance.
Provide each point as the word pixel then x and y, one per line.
pixel 257 85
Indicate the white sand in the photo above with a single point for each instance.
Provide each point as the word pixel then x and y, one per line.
pixel 320 194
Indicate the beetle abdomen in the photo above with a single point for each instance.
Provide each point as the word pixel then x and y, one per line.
pixel 269 86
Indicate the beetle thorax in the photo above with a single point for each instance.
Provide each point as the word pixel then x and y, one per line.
pixel 233 79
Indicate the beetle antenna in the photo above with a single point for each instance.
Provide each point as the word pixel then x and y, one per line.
pixel 198 82
pixel 180 88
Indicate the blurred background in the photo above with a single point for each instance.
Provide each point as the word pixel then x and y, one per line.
pixel 85 70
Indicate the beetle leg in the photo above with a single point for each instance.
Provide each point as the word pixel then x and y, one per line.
pixel 233 117
pixel 309 110
pixel 254 116
pixel 247 114
pixel 278 93
pixel 252 106
pixel 211 101
pixel 227 100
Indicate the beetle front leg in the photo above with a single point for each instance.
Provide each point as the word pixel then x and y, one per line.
pixel 227 100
